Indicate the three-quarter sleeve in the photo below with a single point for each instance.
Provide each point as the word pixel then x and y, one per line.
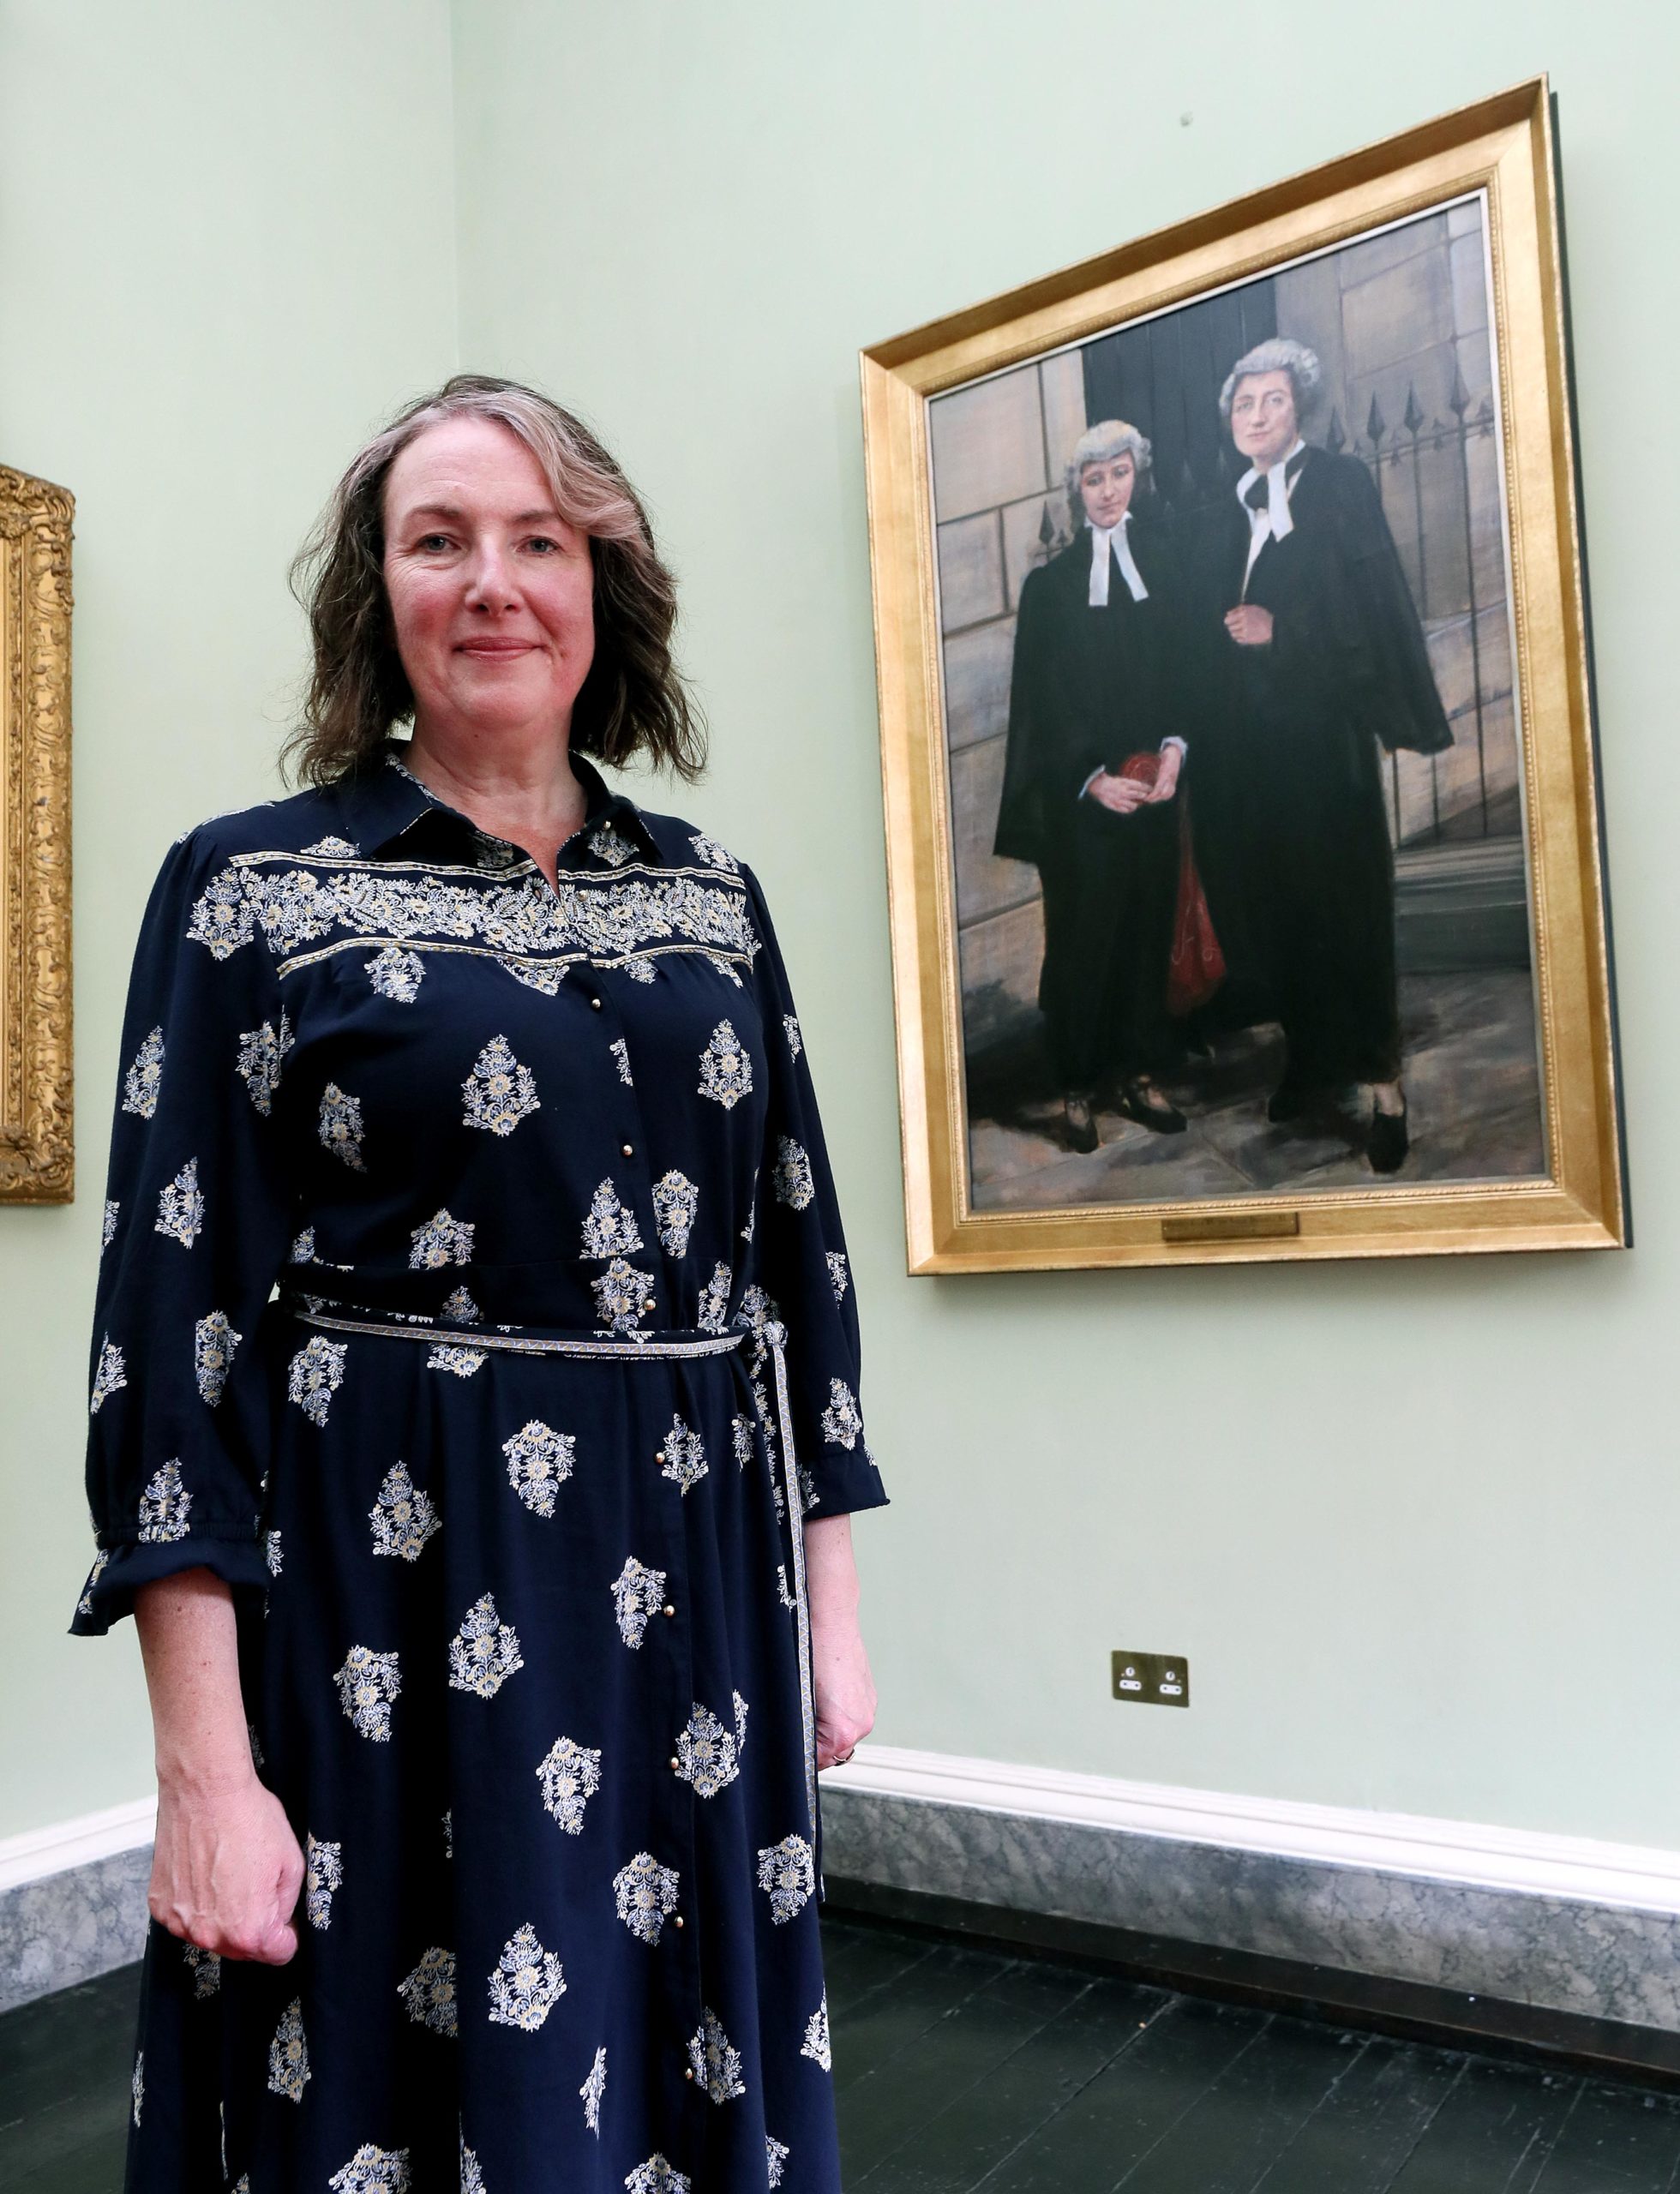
pixel 195 1231
pixel 801 1261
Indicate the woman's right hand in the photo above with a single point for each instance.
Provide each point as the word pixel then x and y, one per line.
pixel 226 1871
pixel 1121 795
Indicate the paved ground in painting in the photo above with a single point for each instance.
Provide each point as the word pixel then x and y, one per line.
pixel 1473 1090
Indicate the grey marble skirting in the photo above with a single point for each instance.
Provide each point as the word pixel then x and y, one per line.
pixel 1554 1952
pixel 72 1926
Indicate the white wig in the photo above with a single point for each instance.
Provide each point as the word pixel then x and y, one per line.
pixel 1278 354
pixel 1100 445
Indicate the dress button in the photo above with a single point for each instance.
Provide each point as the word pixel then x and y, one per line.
pixel 676 1764
pixel 628 1148
pixel 667 1609
pixel 596 1003
pixel 647 1302
pixel 676 1923
pixel 658 1455
pixel 689 2071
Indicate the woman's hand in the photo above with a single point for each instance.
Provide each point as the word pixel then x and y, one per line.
pixel 1167 777
pixel 226 1871
pixel 225 1868
pixel 1250 626
pixel 1120 795
pixel 845 1689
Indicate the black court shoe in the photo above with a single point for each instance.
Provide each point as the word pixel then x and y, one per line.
pixel 1082 1133
pixel 1132 1101
pixel 1390 1140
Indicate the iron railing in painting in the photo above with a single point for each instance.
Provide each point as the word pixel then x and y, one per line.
pixel 1397 458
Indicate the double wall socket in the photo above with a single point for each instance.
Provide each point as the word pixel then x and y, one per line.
pixel 1152 1679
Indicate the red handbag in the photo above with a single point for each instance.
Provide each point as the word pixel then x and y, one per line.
pixel 1195 965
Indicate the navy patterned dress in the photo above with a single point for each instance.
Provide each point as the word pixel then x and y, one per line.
pixel 474 1301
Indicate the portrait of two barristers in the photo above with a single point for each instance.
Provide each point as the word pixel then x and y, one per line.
pixel 1199 711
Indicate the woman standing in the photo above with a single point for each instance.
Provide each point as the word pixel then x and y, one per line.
pixel 1317 664
pixel 494 1581
pixel 1092 687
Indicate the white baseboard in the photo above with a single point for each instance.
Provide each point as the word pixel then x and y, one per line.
pixel 40 1852
pixel 1526 1863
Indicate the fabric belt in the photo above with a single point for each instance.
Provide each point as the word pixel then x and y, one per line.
pixel 658 1347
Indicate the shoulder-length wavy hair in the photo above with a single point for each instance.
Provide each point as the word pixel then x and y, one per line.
pixel 634 700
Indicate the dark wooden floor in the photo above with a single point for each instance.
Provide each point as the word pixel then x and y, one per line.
pixel 958 2069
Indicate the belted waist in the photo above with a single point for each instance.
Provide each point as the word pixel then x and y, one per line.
pixel 335 1316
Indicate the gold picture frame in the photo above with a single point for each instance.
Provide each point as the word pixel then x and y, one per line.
pixel 36 1152
pixel 1496 158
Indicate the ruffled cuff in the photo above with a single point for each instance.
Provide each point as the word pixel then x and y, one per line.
pixel 119 1573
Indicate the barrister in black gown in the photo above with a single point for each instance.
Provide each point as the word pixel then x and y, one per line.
pixel 1315 661
pixel 1094 682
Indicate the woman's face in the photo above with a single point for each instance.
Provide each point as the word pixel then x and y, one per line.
pixel 1104 488
pixel 1263 417
pixel 491 590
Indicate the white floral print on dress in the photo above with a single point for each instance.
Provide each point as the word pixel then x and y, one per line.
pixel 449 1832
pixel 675 1201
pixel 302 1250
pixel 484 1651
pixel 403 1517
pixel 214 1344
pixel 429 1992
pixel 206 1968
pixel 685 1463
pixel 776 2159
pixel 315 1376
pixel 271 1551
pixel 223 918
pixel 373 2170
pixel 449 1357
pixel 441 1241
pixel 726 1067
pixel 592 2090
pixel 787 1875
pixel 656 2176
pixel 836 1272
pixel 621 1051
pixel 499 1092
pixel 644 1896
pixel 610 1230
pixel 258 1060
pixel 527 1983
pixel 145 1077
pixel 331 848
pixel 181 1206
pixel 539 1461
pixel 639 971
pixel 815 2045
pixel 706 1753
pixel 396 974
pixel 108 1230
pixel 793 1173
pixel 791 1029
pixel 604 842
pixel 85 1604
pixel 535 975
pixel 109 1374
pixel 368 1682
pixel 458 1309
pixel 569 1774
pixel 638 1592
pixel 712 1316
pixel 472 2177
pixel 741 1434
pixel 137 2084
pixel 164 1506
pixel 715 2059
pixel 289 2054
pixel 619 1293
pixel 712 854
pixel 324 1873
pixel 842 1421
pixel 340 1126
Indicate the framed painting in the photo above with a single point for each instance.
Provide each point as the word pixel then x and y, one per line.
pixel 37 1164
pixel 1244 841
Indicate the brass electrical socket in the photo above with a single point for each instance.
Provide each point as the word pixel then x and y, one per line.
pixel 1152 1679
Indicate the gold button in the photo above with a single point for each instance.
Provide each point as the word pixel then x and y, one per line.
pixel 596 1003
pixel 677 1922
pixel 629 1149
pixel 668 1610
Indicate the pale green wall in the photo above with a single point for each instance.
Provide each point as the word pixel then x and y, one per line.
pixel 1414 1527
pixel 227 247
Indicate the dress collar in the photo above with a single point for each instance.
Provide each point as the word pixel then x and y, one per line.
pixel 384 800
